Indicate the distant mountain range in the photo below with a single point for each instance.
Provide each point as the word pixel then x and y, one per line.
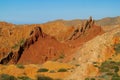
pixel 108 21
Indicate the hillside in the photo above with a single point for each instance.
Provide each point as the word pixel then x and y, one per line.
pixel 69 50
pixel 40 45
pixel 109 21
pixel 95 52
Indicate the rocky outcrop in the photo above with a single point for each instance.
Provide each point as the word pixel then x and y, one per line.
pixel 6 59
pixel 34 35
pixel 99 49
pixel 6 25
pixel 14 56
pixel 30 44
pixel 40 47
pixel 82 29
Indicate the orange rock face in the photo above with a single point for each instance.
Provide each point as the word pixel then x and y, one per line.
pixel 48 48
pixel 53 41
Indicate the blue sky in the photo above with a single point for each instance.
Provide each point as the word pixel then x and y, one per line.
pixel 40 11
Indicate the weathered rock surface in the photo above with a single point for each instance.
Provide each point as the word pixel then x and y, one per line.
pixel 31 44
pixel 98 49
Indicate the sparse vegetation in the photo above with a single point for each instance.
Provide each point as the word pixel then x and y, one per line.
pixel 44 45
pixel 61 56
pixel 109 71
pixel 44 78
pixel 115 77
pixel 7 77
pixel 24 78
pixel 109 66
pixel 96 64
pixel 77 64
pixel 116 69
pixel 42 70
pixel 87 79
pixel 15 46
pixel 92 78
pixel 20 66
pixel 54 59
pixel 117 48
pixel 58 79
pixel 62 70
pixel 22 41
pixel 52 71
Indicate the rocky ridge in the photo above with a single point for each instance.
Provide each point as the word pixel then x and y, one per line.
pixel 47 47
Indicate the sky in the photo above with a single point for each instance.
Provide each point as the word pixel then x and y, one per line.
pixel 40 11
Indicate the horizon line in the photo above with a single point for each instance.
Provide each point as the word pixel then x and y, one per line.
pixel 25 23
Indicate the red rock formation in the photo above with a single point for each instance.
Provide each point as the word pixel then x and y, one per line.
pixel 40 47
pixel 82 30
pixel 48 48
pixel 34 35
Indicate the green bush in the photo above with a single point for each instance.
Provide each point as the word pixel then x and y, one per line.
pixel 95 62
pixel 117 48
pixel 107 66
pixel 42 70
pixel 96 66
pixel 92 79
pixel 7 77
pixel 44 78
pixel 61 56
pixel 58 79
pixel 87 79
pixel 115 76
pixel 62 70
pixel 77 64
pixel 116 68
pixel 109 70
pixel 15 46
pixel 24 78
pixel 110 73
pixel 20 43
pixel 20 66
pixel 52 71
